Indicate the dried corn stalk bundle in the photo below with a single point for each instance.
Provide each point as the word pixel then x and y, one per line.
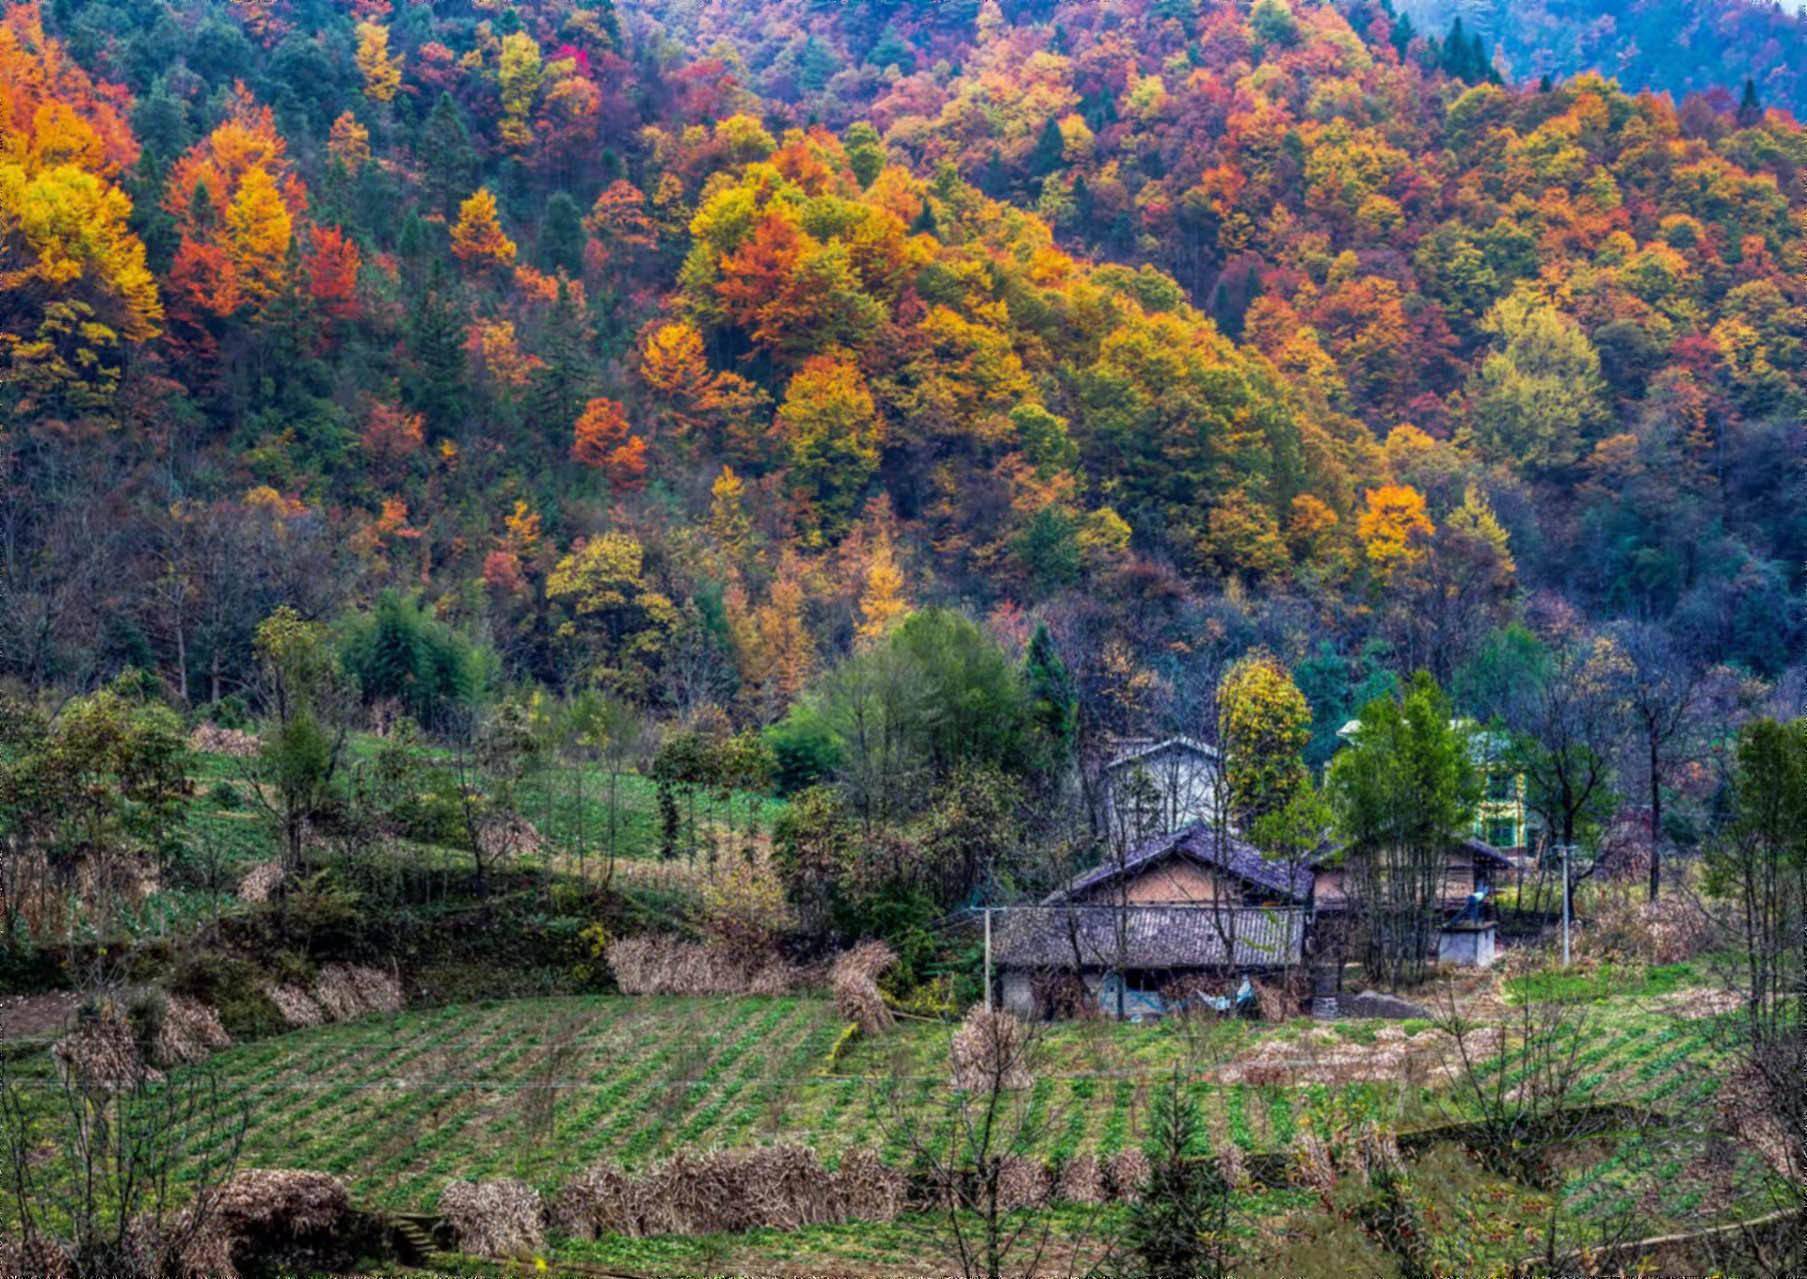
pixel 502 1218
pixel 990 1050
pixel 854 981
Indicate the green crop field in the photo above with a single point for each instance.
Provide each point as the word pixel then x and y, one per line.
pixel 541 1088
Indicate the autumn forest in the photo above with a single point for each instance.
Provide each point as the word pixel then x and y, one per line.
pixel 448 447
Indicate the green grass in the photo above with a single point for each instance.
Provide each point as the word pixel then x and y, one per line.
pixel 1604 982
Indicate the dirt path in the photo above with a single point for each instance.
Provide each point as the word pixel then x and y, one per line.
pixel 35 1016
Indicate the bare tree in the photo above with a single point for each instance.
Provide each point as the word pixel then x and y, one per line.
pixel 129 1150
pixel 1663 695
pixel 1567 722
pixel 979 1158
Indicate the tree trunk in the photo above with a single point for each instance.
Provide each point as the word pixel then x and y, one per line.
pixel 1656 820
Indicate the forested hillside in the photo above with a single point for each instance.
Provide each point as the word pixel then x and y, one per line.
pixel 672 348
pixel 1678 46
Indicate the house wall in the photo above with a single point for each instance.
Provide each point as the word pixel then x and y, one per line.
pixel 1330 887
pixel 1176 882
pixel 1016 992
pixel 1185 791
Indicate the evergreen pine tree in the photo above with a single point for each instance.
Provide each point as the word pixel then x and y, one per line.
pixel 447 158
pixel 1050 149
pixel 1750 107
pixel 434 381
pixel 1053 700
pixel 562 236
pixel 1178 1227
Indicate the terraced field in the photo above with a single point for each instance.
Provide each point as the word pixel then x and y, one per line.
pixel 539 1089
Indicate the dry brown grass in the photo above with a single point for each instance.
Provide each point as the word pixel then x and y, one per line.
pixel 212 739
pixel 100 1054
pixel 1081 1181
pixel 296 1007
pixel 259 882
pixel 258 1201
pixel 723 1191
pixel 188 1032
pixel 1125 1173
pixel 349 991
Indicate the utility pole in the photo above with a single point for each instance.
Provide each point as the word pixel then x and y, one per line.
pixel 988 959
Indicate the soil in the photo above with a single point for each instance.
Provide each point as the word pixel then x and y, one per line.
pixel 35 1016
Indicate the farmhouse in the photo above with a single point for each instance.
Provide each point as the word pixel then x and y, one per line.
pixel 1176 910
pixel 1473 866
pixel 1191 908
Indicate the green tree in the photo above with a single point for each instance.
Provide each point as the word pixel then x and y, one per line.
pixel 295 771
pixel 562 236
pixel 1053 705
pixel 865 151
pixel 1402 793
pixel 1179 1225
pixel 1539 398
pixel 396 652
pixel 449 161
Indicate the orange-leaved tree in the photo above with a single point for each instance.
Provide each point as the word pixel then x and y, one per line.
pixel 236 202
pixel 604 441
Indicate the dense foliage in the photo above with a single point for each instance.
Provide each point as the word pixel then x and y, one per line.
pixel 685 375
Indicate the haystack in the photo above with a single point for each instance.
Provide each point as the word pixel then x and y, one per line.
pixel 854 981
pixel 502 1218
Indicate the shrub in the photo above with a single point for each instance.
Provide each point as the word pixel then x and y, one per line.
pixel 854 981
pixel 1669 930
pixel 502 1218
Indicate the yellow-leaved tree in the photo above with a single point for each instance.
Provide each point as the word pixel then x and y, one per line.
pixel 382 71
pixel 73 281
pixel 477 235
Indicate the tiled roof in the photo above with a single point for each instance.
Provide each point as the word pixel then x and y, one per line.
pixel 1134 748
pixel 1209 847
pixel 1154 937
